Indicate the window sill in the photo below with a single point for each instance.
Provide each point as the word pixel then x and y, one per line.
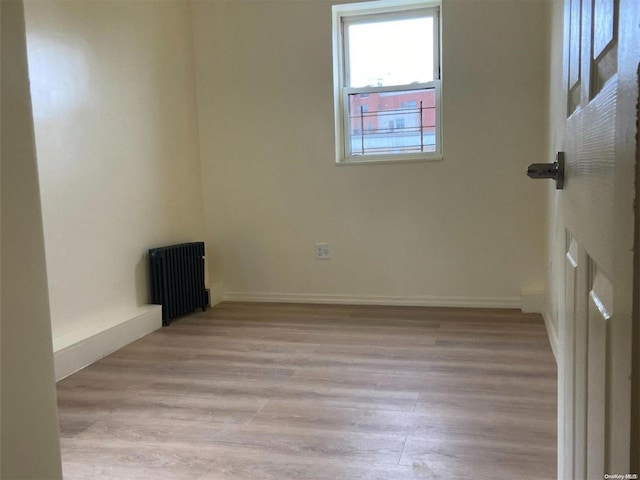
pixel 389 159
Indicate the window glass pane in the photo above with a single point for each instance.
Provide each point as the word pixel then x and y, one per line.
pixel 396 52
pixel 392 122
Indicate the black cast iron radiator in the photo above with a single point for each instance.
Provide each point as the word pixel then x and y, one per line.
pixel 177 279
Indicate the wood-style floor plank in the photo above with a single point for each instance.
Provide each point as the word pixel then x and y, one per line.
pixel 251 391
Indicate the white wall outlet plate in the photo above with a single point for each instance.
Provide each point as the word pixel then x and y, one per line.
pixel 323 252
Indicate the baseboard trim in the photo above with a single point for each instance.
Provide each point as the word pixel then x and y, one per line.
pixel 216 293
pixel 551 332
pixel 533 301
pixel 471 302
pixel 79 350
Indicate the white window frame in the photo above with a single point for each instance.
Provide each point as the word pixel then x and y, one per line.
pixel 367 12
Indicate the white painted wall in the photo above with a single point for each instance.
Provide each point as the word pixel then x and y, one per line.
pixel 469 230
pixel 29 433
pixel 117 140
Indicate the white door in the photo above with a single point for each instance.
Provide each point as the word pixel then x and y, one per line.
pixel 601 55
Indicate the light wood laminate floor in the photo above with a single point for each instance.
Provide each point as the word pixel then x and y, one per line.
pixel 318 392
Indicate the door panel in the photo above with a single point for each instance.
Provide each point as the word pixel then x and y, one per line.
pixel 603 25
pixel 600 312
pixel 567 336
pixel 573 15
pixel 575 352
pixel 604 56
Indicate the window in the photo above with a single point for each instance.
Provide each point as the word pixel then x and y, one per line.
pixel 387 81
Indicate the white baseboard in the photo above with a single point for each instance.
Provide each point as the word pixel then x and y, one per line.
pixel 533 301
pixel 551 332
pixel 79 349
pixel 216 293
pixel 431 301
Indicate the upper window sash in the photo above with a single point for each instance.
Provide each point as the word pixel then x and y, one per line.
pixel 417 11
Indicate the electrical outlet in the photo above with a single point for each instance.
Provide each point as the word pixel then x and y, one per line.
pixel 323 252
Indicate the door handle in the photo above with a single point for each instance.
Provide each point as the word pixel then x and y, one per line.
pixel 553 170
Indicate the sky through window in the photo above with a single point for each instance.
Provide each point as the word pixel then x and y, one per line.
pixel 396 52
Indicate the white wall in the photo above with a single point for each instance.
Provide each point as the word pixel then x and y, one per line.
pixel 469 230
pixel 116 133
pixel 29 444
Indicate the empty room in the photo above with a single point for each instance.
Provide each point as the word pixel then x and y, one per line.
pixel 405 234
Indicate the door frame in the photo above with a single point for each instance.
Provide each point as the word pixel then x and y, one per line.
pixel 635 348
